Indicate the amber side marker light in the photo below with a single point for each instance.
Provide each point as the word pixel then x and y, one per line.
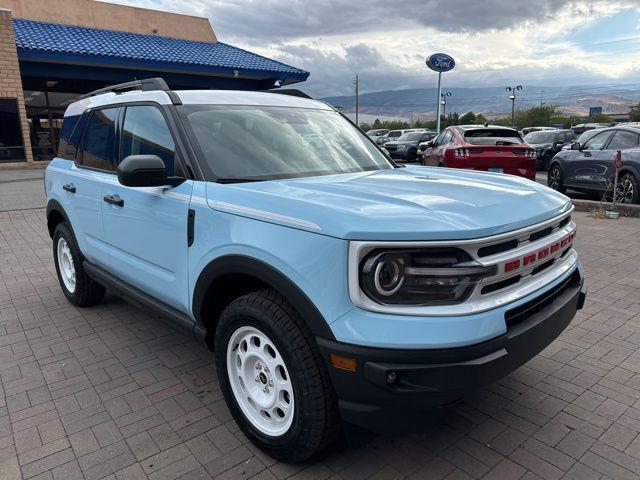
pixel 348 364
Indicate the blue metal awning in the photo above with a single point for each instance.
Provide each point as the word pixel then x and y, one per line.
pixel 74 45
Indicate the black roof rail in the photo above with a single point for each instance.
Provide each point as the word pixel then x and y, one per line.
pixel 146 85
pixel 292 92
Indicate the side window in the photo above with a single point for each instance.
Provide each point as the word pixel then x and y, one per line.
pixel 98 146
pixel 145 132
pixel 622 140
pixel 447 137
pixel 597 142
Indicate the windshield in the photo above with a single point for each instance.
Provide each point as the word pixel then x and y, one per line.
pixel 496 136
pixel 411 137
pixel 264 143
pixel 540 137
pixel 584 136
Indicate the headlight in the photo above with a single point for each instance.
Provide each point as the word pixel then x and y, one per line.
pixel 438 276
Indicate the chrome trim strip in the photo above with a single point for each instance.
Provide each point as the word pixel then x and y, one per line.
pixel 479 302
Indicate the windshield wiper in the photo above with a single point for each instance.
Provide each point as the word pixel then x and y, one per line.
pixel 239 180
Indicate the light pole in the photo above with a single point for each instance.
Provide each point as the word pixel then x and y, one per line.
pixel 512 97
pixel 443 102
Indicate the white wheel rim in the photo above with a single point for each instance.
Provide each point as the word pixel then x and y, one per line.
pixel 66 266
pixel 260 381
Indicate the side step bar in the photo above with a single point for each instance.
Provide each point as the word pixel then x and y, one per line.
pixel 169 315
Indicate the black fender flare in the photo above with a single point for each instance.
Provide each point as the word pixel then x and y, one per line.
pixel 627 168
pixel 241 264
pixel 55 206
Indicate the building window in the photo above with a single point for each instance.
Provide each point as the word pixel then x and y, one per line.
pixel 11 144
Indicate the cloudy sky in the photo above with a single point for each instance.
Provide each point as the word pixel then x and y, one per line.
pixel 494 42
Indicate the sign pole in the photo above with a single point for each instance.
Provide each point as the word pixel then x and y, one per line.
pixel 438 101
pixel 440 62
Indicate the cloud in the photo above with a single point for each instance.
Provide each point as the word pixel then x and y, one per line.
pixel 494 42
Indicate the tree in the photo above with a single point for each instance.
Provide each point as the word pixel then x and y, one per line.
pixel 634 113
pixel 600 118
pixel 377 124
pixel 468 118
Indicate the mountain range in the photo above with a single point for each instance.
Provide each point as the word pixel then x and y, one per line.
pixel 493 102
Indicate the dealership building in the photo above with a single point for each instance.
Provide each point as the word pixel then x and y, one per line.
pixel 52 52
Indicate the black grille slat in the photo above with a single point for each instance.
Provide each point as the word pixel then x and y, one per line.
pixel 542 267
pixel 500 285
pixel 540 234
pixel 519 314
pixel 498 248
pixel 564 222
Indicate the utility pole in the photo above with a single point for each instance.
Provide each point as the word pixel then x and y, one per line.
pixel 541 98
pixel 512 97
pixel 443 102
pixel 357 85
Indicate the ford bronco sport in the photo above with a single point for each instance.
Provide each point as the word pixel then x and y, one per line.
pixel 334 287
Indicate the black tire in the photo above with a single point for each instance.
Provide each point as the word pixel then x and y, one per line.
pixel 316 420
pixel 628 191
pixel 555 178
pixel 86 291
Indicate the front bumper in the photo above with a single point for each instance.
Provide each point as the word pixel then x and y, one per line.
pixel 392 388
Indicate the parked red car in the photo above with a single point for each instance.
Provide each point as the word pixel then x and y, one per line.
pixel 476 147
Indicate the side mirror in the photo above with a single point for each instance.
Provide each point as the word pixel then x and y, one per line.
pixel 145 171
pixel 429 144
pixel 576 146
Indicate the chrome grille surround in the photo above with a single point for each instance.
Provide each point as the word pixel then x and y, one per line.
pixel 564 262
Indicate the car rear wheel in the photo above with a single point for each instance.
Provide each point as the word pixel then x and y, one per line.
pixel 76 285
pixel 273 377
pixel 627 191
pixel 555 178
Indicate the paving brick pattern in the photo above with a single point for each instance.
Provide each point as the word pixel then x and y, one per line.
pixel 111 392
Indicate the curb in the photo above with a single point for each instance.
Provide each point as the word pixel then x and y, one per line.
pixel 590 205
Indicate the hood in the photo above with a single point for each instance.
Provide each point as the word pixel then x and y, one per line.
pixel 412 203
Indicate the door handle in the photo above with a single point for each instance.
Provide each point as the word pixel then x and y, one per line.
pixel 69 187
pixel 114 200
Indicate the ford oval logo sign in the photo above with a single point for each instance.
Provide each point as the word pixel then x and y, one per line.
pixel 441 62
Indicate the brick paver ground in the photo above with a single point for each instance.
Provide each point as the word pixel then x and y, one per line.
pixel 111 392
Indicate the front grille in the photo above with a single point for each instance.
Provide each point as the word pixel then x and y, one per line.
pixel 494 287
pixel 526 310
pixel 498 248
pixel 540 234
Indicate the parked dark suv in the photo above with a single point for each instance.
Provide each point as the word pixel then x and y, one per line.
pixel 406 147
pixel 589 167
pixel 547 143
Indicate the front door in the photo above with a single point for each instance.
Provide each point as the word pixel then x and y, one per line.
pixel 585 167
pixel 146 228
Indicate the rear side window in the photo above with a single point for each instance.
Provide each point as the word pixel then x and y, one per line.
pixel 70 135
pixel 145 132
pixel 622 140
pixel 394 134
pixel 98 146
pixel 496 136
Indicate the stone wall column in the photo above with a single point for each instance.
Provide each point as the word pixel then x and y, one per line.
pixel 10 80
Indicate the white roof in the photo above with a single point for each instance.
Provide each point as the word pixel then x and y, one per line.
pixel 197 97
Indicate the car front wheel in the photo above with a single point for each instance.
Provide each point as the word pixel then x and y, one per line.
pixel 627 191
pixel 273 377
pixel 555 179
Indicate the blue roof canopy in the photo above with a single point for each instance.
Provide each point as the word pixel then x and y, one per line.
pixel 70 44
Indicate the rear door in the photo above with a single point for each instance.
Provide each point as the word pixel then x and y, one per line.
pixel 94 166
pixel 586 168
pixel 147 233
pixel 434 156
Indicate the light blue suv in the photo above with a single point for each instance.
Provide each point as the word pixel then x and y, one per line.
pixel 335 287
